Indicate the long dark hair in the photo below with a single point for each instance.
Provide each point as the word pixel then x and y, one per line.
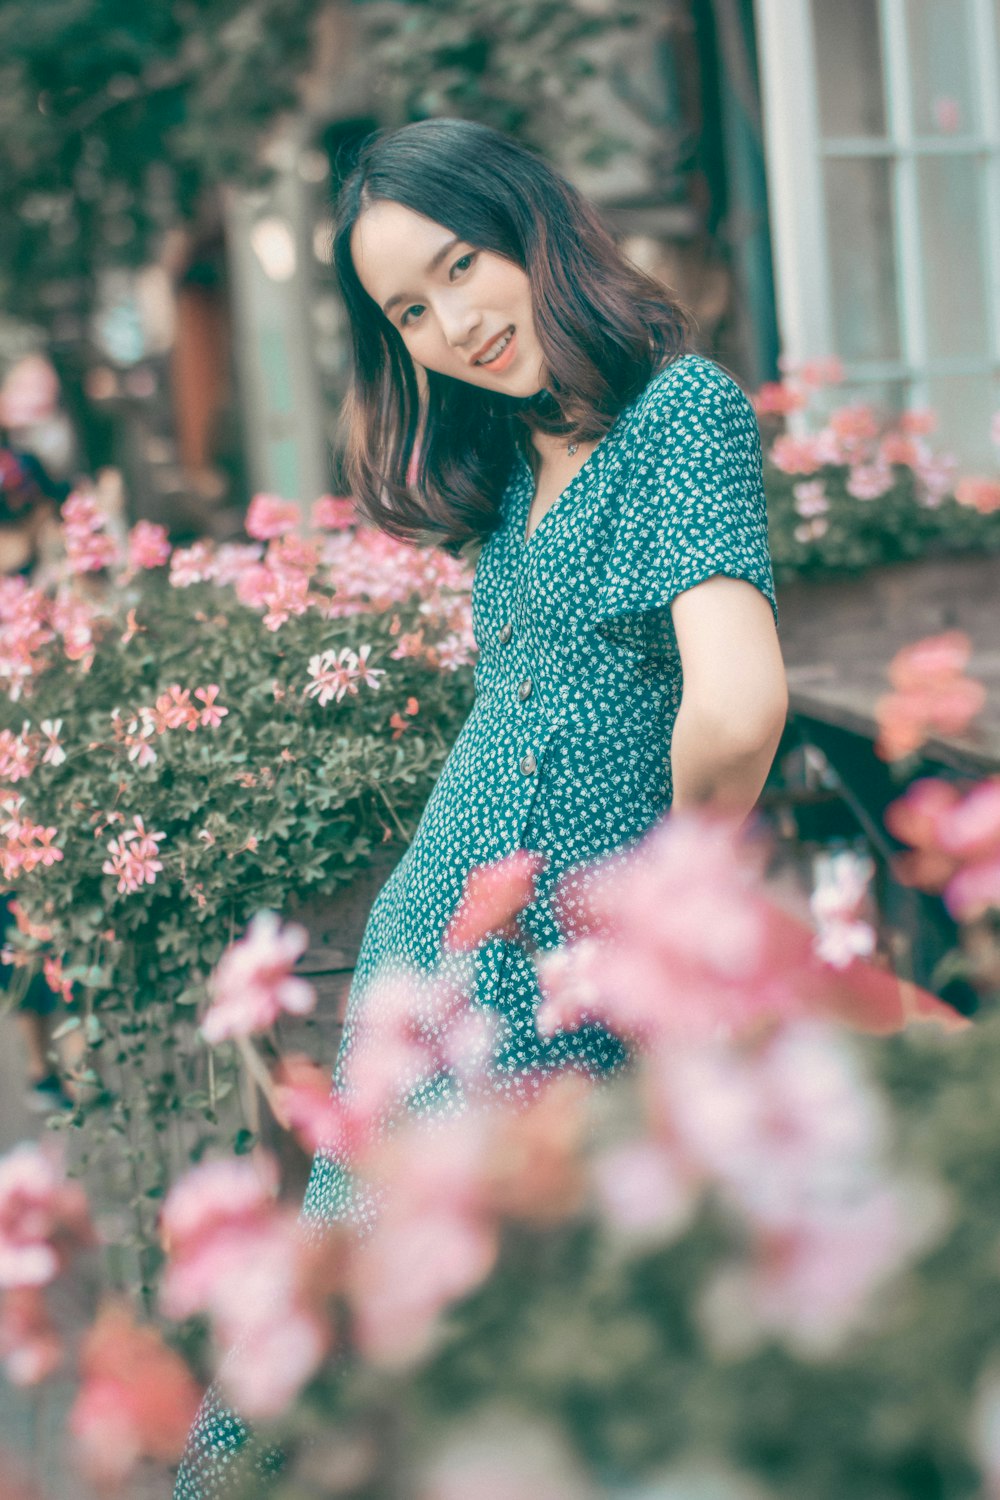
pixel 604 326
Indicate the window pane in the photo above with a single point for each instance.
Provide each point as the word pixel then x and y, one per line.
pixel 965 405
pixel 849 63
pixel 952 237
pixel 940 34
pixel 861 238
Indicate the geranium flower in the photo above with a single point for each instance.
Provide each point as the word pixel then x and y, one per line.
pixel 137 1398
pixel 148 545
pixel 492 896
pixel 334 513
pixel 30 1346
pixel 270 516
pixel 43 1217
pixel 253 981
pixel 212 715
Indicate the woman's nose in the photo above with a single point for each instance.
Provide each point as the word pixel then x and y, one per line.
pixel 459 324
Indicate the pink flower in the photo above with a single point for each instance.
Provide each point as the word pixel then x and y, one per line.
pixel 777 399
pixel 979 493
pixel 148 545
pixel 134 857
pixel 30 1346
pixel 856 426
pixel 137 1398
pixel 645 1189
pixel 253 981
pixel 491 898
pixel 335 674
pixel 810 498
pixel 212 714
pixel 237 1255
pixel 795 455
pixel 88 546
pixel 175 709
pixel 334 513
pixel 270 516
pixel 822 371
pixel 870 481
pixel 54 754
pixel 192 564
pixel 932 695
pixel 43 1217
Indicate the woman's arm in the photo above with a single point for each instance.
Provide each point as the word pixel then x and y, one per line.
pixel 734 701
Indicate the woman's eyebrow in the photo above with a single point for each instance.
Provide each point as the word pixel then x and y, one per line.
pixel 438 258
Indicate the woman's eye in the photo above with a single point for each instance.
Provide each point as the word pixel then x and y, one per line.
pixel 464 260
pixel 406 316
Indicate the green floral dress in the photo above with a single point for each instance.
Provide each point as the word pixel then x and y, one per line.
pixel 567 748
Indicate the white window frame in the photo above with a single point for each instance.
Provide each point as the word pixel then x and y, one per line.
pixel 795 152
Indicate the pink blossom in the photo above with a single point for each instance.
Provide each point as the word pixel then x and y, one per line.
pixel 810 498
pixel 645 1189
pixel 932 695
pixel 54 753
pixel 336 673
pixel 88 546
pixel 775 398
pixel 148 545
pixel 936 479
pixel 232 560
pixel 73 619
pixel 979 493
pixel 212 714
pixel 30 1346
pixel 237 1255
pixel 492 896
pixel 856 426
pixel 43 1217
pixel 192 564
pixel 134 857
pixel 900 448
pixel 827 370
pixel 253 981
pixel 870 481
pixel 136 1400
pixel 334 513
pixel 808 531
pixel 270 516
pixel 174 708
pixel 17 755
pixel 794 455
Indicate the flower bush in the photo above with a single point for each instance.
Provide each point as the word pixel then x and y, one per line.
pixel 860 486
pixel 191 735
pixel 762 1261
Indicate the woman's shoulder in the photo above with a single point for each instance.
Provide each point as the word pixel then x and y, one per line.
pixel 691 382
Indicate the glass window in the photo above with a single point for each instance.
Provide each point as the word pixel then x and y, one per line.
pixel 940 44
pixel 952 244
pixel 861 237
pixel 849 53
pixel 965 405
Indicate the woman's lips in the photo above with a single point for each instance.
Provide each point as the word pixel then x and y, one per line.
pixel 503 360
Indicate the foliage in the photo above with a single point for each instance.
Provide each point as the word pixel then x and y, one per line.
pixel 853 486
pixel 290 792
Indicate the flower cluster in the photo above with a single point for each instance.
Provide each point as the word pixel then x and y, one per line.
pixel 932 694
pixel 333 674
pixel 955 842
pixel 134 858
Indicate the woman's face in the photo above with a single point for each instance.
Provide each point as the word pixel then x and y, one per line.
pixel 450 301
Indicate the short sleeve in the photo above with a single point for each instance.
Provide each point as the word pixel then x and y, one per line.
pixel 692 504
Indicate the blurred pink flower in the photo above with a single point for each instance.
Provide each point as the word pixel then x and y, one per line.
pixel 979 493
pixel 644 1189
pixel 253 980
pixel 88 546
pixel 775 398
pixel 334 512
pixel 810 498
pixel 30 1346
pixel 136 1400
pixel 932 696
pixel 870 481
pixel 856 426
pixel 795 455
pixel 148 545
pixel 44 1217
pixel 334 674
pixel 270 516
pixel 194 564
pixel 492 897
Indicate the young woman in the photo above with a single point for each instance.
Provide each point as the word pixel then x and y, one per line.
pixel 519 383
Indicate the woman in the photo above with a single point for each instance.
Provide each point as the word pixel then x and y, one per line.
pixel 518 381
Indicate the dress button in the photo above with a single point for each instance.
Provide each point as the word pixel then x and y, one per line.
pixel 524 690
pixel 506 631
pixel 529 764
